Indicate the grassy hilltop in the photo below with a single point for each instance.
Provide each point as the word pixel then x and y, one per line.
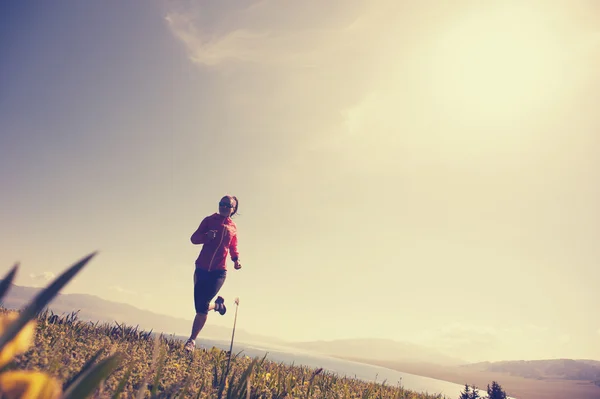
pixel 156 366
pixel 43 355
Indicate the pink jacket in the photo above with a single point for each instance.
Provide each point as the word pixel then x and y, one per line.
pixel 213 255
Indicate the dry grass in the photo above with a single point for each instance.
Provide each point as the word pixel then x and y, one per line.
pixel 157 366
pixel 76 359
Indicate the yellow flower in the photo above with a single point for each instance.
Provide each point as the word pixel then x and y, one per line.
pixel 28 385
pixel 20 343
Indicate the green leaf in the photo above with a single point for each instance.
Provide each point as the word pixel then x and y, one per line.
pixel 41 300
pixel 88 382
pixel 263 359
pixel 200 390
pixel 188 379
pixel 87 366
pixel 5 284
pixel 161 363
pixel 239 390
pixel 123 381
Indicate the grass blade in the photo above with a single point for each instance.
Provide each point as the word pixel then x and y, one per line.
pixel 87 366
pixel 5 284
pixel 161 363
pixel 200 391
pixel 41 300
pixel 123 382
pixel 186 386
pixel 239 390
pixel 88 383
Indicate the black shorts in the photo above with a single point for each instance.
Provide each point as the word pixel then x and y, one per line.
pixel 206 286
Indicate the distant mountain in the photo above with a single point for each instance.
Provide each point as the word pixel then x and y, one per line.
pixel 564 369
pixel 379 349
pixel 94 309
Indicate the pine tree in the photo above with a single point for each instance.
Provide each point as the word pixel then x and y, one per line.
pixel 495 391
pixel 469 393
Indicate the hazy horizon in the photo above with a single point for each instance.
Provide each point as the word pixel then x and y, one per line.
pixel 417 173
pixel 223 333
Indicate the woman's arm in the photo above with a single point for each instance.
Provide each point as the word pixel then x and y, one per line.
pixel 233 249
pixel 199 236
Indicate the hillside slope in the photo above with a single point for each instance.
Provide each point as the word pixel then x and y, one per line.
pixel 94 308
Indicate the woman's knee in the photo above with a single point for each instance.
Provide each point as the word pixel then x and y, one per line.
pixel 202 307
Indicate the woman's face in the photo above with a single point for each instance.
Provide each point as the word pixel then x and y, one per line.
pixel 226 206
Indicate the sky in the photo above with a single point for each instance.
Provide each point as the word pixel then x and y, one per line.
pixel 418 172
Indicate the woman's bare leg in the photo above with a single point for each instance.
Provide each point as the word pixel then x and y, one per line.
pixel 199 322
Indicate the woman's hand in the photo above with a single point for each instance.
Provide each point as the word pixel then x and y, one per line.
pixel 237 265
pixel 211 234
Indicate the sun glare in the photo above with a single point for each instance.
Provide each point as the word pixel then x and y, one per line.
pixel 496 64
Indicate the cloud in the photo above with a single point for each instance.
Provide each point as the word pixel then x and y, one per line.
pixel 121 290
pixel 292 70
pixel 269 33
pixel 238 45
pixel 43 277
pixel 348 82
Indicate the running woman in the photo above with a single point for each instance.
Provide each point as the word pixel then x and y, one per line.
pixel 218 234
